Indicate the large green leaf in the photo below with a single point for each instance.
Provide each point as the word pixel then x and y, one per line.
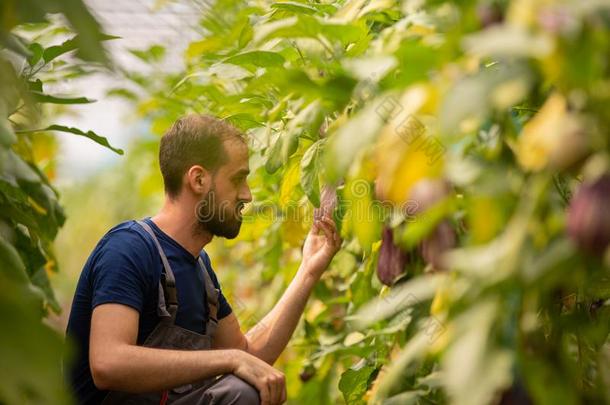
pixel 89 134
pixel 355 382
pixel 11 264
pixel 400 368
pixel 47 98
pixel 409 294
pixel 305 123
pixel 31 352
pixel 88 40
pixel 310 172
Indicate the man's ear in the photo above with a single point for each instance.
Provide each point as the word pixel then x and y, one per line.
pixel 198 179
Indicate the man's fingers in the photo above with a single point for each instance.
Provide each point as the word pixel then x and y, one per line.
pixel 281 389
pixel 315 227
pixel 284 394
pixel 330 231
pixel 274 392
pixel 263 391
pixel 327 230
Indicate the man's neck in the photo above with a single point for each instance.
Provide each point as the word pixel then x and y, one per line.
pixel 182 226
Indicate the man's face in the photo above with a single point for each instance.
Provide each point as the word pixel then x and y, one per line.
pixel 219 211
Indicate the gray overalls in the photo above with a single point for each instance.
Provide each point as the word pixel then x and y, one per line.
pixel 225 390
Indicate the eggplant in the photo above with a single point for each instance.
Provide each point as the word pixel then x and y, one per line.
pixel 392 259
pixel 588 219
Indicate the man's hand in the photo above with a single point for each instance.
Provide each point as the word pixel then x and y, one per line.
pixel 270 383
pixel 319 249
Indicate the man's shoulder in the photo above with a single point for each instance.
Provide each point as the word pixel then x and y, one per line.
pixel 127 236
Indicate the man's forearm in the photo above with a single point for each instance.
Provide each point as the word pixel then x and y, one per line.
pixel 270 336
pixel 137 369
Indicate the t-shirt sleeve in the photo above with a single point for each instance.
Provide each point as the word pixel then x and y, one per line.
pixel 121 273
pixel 224 308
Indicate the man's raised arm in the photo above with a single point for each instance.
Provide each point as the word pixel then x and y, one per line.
pixel 270 336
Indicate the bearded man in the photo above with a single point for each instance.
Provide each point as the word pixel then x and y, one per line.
pixel 149 319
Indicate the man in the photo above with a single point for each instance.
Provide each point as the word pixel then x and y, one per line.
pixel 130 319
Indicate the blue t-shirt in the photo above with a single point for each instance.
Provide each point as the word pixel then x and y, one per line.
pixel 125 268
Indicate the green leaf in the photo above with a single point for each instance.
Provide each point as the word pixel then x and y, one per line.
pixel 256 58
pixel 36 51
pixel 74 43
pixel 305 123
pixel 400 369
pixel 11 264
pixel 89 134
pixel 354 383
pixel 245 36
pixel 121 92
pixel 205 46
pixel 32 349
pixel 406 295
pixel 274 157
pixel 14 204
pixel 310 170
pixel 47 98
pixel 14 170
pixel 153 54
pixel 35 85
pixel 243 121
pixel 294 7
pixel 415 62
pixel 41 280
pixel 305 26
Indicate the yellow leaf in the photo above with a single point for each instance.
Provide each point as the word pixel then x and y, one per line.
pixel 206 45
pixel 292 178
pixel 484 227
pixel 297 222
pixel 406 158
pixel 552 138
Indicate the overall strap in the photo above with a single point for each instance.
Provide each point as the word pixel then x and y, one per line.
pixel 212 294
pixel 168 297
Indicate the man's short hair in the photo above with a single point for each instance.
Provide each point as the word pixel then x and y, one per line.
pixel 195 139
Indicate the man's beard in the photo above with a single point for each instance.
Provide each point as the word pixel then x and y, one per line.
pixel 218 218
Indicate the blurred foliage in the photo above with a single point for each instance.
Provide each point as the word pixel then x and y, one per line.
pixel 30 215
pixel 464 127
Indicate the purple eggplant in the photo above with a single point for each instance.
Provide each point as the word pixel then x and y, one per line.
pixel 392 259
pixel 588 221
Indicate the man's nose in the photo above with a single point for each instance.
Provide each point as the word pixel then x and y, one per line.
pixel 246 195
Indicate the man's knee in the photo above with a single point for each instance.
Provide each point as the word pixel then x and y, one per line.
pixel 232 390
